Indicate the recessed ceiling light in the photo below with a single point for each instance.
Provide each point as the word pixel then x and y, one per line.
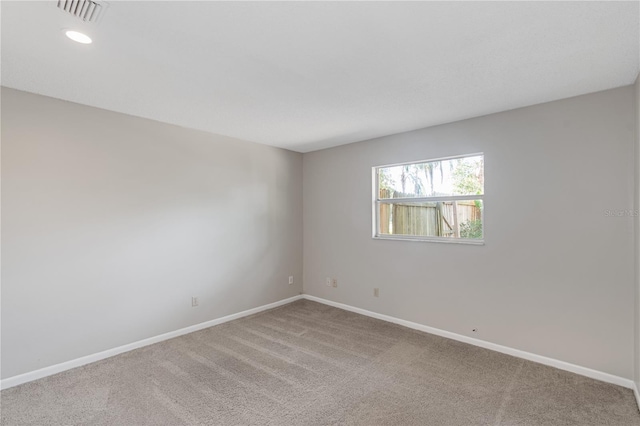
pixel 79 37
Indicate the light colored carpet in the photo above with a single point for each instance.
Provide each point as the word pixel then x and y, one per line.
pixel 310 364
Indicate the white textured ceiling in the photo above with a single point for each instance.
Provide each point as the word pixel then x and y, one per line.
pixel 306 76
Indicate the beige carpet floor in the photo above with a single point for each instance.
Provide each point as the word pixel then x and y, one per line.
pixel 310 364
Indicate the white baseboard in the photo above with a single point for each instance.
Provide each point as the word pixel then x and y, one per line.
pixel 58 368
pixel 583 371
pixel 636 394
pixel 68 365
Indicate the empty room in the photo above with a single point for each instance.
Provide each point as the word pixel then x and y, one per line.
pixel 320 213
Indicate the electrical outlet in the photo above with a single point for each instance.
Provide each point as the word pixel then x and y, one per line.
pixel 334 282
pixel 328 282
pixel 194 302
pixel 376 292
pixel 290 279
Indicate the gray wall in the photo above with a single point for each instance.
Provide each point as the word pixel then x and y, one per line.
pixel 636 322
pixel 555 276
pixel 112 223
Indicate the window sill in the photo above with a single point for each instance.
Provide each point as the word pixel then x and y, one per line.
pixel 430 239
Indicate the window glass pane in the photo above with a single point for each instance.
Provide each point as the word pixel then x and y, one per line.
pixel 451 219
pixel 457 176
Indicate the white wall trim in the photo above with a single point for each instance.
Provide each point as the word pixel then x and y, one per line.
pixel 78 362
pixel 636 394
pixel 583 371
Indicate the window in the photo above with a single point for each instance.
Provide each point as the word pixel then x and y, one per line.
pixel 434 200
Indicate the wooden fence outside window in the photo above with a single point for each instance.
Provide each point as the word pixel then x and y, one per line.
pixel 438 219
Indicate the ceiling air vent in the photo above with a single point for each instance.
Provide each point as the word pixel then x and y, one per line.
pixel 87 10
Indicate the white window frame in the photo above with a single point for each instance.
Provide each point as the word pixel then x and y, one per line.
pixel 377 201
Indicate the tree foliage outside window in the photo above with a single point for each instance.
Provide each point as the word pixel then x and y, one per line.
pixel 431 199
